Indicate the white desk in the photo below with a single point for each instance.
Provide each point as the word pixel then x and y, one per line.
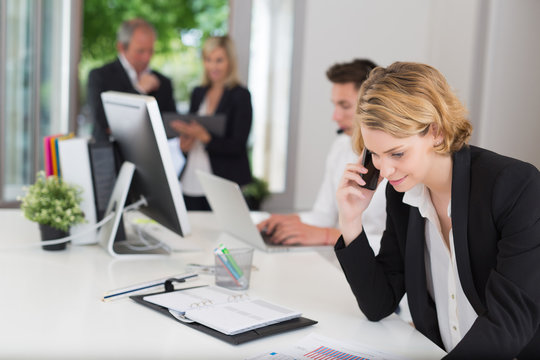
pixel 50 303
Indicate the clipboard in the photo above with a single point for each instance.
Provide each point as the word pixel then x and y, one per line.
pixel 237 339
pixel 214 124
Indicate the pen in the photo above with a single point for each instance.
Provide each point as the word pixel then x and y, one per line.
pixel 227 254
pixel 228 268
pixel 118 293
pixel 239 279
pixel 201 269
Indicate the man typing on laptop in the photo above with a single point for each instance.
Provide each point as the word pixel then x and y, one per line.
pixel 319 226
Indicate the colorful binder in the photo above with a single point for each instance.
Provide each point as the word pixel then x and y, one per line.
pixel 47 154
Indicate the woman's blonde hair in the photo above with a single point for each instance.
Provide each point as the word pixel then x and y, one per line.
pixel 406 99
pixel 226 43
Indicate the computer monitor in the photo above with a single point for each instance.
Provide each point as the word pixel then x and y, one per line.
pixel 139 134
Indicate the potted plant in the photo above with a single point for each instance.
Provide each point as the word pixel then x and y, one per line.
pixel 255 193
pixel 54 205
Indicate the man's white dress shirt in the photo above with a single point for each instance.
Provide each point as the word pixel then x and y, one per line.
pixel 325 210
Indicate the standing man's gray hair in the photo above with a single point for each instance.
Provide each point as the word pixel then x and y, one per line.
pixel 128 27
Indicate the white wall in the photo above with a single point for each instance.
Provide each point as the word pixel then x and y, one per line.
pixel 438 32
pixel 510 102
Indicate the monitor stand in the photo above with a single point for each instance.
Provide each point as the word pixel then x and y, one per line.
pixel 112 235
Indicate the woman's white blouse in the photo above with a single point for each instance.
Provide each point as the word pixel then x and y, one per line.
pixel 455 313
pixel 197 159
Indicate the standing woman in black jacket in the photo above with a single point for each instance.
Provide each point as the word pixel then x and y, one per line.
pixel 220 93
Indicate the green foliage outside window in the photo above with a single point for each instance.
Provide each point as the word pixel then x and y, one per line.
pixel 174 20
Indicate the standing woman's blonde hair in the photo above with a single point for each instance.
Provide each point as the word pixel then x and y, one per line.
pixel 406 99
pixel 226 43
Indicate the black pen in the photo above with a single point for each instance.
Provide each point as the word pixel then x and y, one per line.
pixel 118 293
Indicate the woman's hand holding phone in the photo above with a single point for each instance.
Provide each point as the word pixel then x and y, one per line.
pixel 372 176
pixel 353 198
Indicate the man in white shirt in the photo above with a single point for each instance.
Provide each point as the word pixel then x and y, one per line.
pixel 129 73
pixel 319 225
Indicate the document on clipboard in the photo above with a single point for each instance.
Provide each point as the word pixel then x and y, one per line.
pixel 223 310
pixel 215 124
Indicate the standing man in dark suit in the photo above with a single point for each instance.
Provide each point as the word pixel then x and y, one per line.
pixel 129 73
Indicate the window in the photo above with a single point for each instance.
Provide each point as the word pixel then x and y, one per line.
pixel 270 68
pixel 180 34
pixel 34 86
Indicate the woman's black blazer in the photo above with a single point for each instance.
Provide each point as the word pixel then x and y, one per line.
pixel 228 154
pixel 495 210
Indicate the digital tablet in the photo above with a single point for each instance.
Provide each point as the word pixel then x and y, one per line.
pixel 215 124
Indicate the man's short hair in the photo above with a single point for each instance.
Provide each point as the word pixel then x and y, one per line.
pixel 355 72
pixel 128 27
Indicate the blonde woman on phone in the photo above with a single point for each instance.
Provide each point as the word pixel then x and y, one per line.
pixel 462 236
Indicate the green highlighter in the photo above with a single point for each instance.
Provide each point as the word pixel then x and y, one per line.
pixel 227 254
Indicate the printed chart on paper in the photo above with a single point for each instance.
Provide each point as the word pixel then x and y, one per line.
pixel 317 347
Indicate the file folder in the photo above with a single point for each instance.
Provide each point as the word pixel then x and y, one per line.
pixel 237 339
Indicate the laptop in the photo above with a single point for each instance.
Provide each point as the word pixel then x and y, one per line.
pixel 232 213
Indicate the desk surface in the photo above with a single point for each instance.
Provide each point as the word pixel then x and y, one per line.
pixel 51 301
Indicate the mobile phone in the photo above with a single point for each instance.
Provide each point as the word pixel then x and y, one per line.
pixel 372 176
